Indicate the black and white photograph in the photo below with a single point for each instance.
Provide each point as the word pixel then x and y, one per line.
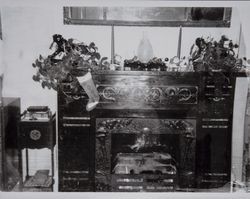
pixel 142 97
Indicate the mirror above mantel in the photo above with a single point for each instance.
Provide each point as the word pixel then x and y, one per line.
pixel 149 16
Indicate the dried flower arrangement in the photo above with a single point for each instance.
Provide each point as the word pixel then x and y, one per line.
pixel 72 59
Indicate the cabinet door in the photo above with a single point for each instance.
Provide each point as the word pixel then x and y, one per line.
pixel 74 144
pixel 74 158
pixel 214 157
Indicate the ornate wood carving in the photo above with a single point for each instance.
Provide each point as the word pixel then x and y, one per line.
pixel 161 95
pixel 181 131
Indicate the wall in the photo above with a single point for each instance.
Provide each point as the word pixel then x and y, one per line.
pixel 1 60
pixel 28 30
pixel 1 57
pixel 26 34
pixel 1 69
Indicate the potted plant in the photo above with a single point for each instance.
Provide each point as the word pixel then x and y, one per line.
pixel 209 55
pixel 70 61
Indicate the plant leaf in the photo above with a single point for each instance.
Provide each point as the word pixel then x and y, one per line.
pixel 35 78
pixel 38 63
pixel 40 57
pixel 43 84
pixel 97 55
pixel 92 45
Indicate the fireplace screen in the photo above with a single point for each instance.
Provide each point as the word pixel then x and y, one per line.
pixel 145 154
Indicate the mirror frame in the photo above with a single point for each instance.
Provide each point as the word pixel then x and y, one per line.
pixel 188 22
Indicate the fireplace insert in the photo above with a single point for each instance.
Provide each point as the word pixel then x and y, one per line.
pixel 144 154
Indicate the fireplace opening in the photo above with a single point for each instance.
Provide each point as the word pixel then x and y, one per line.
pixel 144 154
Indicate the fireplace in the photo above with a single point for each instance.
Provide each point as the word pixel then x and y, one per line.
pixel 145 131
pixel 144 154
pixel 151 131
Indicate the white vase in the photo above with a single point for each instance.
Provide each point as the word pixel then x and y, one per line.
pixel 145 50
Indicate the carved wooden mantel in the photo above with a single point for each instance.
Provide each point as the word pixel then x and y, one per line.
pixel 145 89
pixel 206 99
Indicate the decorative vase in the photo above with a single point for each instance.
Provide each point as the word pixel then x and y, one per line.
pixel 145 50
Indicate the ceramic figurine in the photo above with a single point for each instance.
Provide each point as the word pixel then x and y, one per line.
pixel 60 47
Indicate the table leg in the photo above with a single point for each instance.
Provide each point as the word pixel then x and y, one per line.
pixel 52 167
pixel 27 163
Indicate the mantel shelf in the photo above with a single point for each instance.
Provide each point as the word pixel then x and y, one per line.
pixel 150 73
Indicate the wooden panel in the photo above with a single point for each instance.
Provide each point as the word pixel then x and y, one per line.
pixel 10 112
pixel 37 135
pixel 73 145
pixel 139 90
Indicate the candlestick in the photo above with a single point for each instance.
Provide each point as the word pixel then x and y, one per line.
pixel 112 45
pixel 179 43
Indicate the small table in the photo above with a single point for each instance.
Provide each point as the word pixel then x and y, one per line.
pixel 37 133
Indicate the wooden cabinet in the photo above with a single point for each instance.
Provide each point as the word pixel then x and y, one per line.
pixel 214 139
pixel 74 146
pixel 9 119
pixel 37 133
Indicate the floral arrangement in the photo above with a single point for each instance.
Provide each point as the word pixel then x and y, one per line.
pixel 154 64
pixel 70 59
pixel 210 55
